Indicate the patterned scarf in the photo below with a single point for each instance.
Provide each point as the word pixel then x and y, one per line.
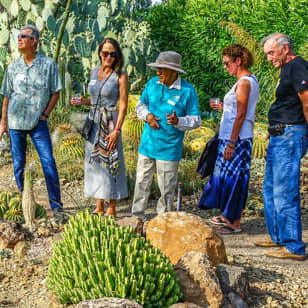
pixel 100 153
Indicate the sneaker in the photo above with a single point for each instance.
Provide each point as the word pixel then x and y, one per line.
pixel 283 253
pixel 267 243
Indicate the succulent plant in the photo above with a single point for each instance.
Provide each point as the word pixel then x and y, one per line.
pixel 11 207
pixel 72 145
pixel 98 258
pixel 132 127
pixel 28 202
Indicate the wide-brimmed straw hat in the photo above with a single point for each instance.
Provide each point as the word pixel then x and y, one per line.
pixel 168 59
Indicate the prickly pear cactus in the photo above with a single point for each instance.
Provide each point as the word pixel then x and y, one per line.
pixel 98 258
pixel 28 202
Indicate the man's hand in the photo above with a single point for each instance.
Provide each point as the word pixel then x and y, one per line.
pixel 172 118
pixel 3 129
pixel 152 121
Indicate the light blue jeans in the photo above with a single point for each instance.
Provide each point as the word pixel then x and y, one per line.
pixel 41 139
pixel 281 188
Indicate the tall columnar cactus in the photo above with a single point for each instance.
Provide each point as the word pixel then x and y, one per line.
pixel 28 202
pixel 98 258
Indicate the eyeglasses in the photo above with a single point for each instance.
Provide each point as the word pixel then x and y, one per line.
pixel 23 36
pixel 112 54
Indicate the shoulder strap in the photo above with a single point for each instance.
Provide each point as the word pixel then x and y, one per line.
pixel 99 93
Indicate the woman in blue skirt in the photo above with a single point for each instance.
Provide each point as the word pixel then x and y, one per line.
pixel 227 187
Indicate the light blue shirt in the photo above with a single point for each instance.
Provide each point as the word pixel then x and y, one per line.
pixel 29 89
pixel 166 143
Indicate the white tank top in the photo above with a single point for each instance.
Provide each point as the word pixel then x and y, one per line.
pixel 230 110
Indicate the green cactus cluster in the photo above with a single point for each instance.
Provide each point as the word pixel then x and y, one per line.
pixel 72 31
pixel 98 258
pixel 11 207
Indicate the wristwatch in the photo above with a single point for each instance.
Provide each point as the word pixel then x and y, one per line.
pixel 45 115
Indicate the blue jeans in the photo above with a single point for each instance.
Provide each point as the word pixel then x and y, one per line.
pixel 281 188
pixel 41 139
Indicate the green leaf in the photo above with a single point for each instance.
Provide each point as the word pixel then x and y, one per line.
pixel 14 8
pixel 4 36
pixel 82 47
pixel 51 24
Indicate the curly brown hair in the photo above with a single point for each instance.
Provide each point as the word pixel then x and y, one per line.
pixel 238 51
pixel 119 59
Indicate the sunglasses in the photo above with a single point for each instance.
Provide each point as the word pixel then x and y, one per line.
pixel 112 54
pixel 227 63
pixel 23 36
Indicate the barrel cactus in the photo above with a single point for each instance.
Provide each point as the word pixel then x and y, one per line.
pixel 11 207
pixel 98 258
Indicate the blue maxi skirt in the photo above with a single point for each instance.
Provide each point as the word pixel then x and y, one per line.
pixel 227 188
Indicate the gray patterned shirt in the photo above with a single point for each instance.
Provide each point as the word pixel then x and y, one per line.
pixel 29 89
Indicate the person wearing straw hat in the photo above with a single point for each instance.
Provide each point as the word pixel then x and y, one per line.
pixel 169 106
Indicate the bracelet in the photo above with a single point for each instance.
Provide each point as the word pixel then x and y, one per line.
pixel 231 141
pixel 45 115
pixel 117 128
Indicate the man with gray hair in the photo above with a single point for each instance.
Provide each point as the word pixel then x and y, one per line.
pixel 288 117
pixel 31 88
pixel 169 107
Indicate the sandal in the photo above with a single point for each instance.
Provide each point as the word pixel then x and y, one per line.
pixel 216 220
pixel 228 230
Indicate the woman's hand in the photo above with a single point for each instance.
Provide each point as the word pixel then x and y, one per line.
pixel 217 106
pixel 229 152
pixel 76 101
pixel 112 139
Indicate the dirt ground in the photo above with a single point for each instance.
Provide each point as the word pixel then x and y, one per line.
pixel 273 282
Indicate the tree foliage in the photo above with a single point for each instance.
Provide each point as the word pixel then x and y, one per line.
pixel 200 29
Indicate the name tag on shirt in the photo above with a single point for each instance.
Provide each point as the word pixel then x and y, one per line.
pixel 20 77
pixel 92 82
pixel 171 102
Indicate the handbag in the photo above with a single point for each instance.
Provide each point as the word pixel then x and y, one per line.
pixel 88 125
pixel 207 159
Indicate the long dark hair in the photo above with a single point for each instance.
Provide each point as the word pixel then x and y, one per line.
pixel 119 59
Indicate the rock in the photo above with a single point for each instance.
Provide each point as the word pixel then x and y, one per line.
pixel 10 234
pixel 233 278
pixel 198 280
pixel 42 231
pixel 21 248
pixel 106 302
pixel 186 305
pixel 236 301
pixel 135 222
pixel 176 233
pixel 4 243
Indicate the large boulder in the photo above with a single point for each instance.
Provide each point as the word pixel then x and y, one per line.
pixel 233 279
pixel 176 233
pixel 198 281
pixel 107 302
